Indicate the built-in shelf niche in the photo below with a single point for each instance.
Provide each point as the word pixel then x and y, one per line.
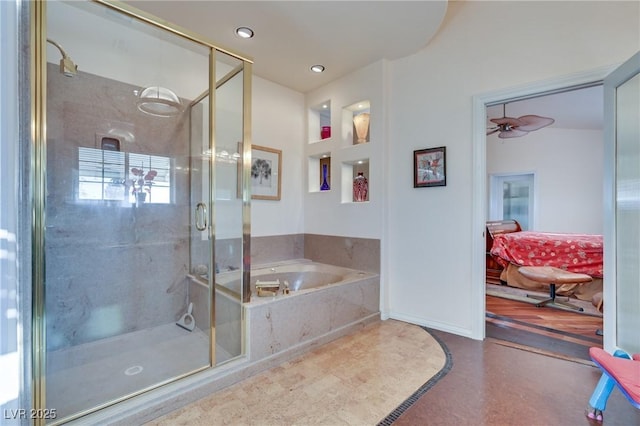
pixel 350 171
pixel 356 123
pixel 320 172
pixel 320 122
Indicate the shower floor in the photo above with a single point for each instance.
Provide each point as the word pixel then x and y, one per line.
pixel 92 374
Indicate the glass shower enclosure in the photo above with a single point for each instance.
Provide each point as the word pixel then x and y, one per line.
pixel 140 200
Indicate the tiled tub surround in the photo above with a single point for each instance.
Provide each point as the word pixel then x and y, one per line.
pixel 308 316
pixel 276 248
pixel 322 300
pixel 349 252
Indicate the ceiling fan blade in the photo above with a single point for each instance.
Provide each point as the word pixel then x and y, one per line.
pixel 492 130
pixel 534 122
pixel 514 133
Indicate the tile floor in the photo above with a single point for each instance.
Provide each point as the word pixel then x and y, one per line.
pixel 362 378
pixel 355 380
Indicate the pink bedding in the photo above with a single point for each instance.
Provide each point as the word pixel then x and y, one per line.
pixel 572 252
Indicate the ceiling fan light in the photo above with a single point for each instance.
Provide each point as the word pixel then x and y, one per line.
pixel 514 133
pixel 507 121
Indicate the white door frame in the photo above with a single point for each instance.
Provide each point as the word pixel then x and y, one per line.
pixel 479 172
pixel 613 81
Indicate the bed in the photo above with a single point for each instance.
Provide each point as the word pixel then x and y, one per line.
pixel 580 253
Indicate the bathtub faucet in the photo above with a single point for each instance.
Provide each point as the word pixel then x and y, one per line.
pixel 267 288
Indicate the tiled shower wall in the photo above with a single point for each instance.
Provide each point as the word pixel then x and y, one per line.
pixel 111 267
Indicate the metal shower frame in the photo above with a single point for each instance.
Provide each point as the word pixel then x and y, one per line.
pixel 38 80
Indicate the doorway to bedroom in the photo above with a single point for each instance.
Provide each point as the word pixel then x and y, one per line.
pixel 543 180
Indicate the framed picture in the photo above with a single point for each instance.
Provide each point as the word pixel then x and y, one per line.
pixel 429 167
pixel 266 168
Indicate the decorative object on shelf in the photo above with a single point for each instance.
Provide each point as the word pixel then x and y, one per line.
pixel 361 124
pixel 266 169
pixel 360 188
pixel 325 183
pixel 325 132
pixel 429 167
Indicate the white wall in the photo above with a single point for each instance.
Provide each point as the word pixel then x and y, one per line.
pixel 568 167
pixel 332 212
pixel 326 212
pixel 482 46
pixel 278 121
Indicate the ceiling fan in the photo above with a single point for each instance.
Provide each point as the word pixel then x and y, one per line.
pixel 510 127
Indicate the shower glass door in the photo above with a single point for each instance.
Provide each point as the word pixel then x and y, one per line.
pixel 229 241
pixel 121 315
pixel 219 167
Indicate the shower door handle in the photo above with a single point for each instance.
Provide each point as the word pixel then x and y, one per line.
pixel 201 216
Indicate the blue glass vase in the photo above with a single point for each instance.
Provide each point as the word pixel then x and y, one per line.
pixel 325 185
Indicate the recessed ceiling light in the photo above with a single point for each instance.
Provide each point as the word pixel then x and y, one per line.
pixel 244 32
pixel 317 68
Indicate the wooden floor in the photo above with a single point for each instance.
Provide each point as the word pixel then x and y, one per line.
pixel 568 327
pixel 495 385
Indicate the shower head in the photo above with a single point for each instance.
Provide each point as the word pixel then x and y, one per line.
pixel 67 67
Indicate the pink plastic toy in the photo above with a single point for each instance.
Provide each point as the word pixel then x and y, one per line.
pixel 619 369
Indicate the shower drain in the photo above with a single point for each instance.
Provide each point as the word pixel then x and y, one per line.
pixel 132 371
